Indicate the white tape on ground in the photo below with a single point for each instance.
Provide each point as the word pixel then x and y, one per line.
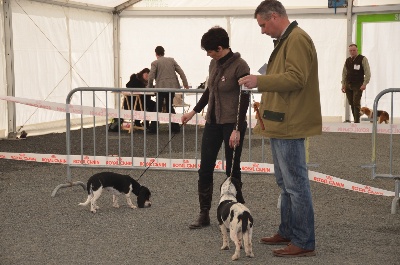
pixel 164 117
pixel 187 164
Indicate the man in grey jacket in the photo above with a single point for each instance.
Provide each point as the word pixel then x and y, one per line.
pixel 163 72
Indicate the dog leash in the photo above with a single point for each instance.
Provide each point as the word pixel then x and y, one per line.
pixel 159 153
pixel 236 129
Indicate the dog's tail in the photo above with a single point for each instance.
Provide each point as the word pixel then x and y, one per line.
pixel 247 221
pixel 247 232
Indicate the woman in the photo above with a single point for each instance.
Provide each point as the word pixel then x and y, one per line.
pixel 139 80
pixel 222 97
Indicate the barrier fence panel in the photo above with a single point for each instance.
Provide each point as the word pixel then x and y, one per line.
pixel 391 174
pixel 112 152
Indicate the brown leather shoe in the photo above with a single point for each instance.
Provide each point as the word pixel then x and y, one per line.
pixel 291 251
pixel 276 239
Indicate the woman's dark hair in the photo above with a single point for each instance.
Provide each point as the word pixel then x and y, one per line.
pixel 140 75
pixel 214 37
pixel 160 51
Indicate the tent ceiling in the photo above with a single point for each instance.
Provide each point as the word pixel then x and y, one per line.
pixel 104 5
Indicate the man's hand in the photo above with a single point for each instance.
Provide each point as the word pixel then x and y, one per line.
pixel 344 89
pixel 249 81
pixel 363 87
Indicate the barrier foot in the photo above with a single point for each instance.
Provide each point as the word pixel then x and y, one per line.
pixel 66 185
pixel 396 200
pixel 395 204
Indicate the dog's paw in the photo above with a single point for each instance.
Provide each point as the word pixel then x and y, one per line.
pixel 235 256
pixel 225 247
pixel 116 205
pixel 93 211
pixel 251 255
pixel 133 207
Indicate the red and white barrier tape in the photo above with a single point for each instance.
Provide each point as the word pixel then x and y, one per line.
pixel 164 117
pixel 97 111
pixel 187 164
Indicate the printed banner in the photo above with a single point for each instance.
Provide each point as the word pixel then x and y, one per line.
pixel 247 167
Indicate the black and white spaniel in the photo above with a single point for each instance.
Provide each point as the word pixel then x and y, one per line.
pixel 232 214
pixel 117 184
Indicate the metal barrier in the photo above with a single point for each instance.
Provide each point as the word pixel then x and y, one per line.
pixel 94 142
pixel 390 175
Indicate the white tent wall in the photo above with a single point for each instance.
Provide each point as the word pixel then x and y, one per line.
pixel 59 45
pixel 328 30
pixel 380 44
pixel 329 41
pixel 181 36
pixel 57 49
pixel 3 82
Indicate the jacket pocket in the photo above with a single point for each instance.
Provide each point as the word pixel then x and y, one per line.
pixel 273 116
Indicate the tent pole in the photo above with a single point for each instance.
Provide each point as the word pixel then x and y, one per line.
pixel 10 78
pixel 116 51
pixel 349 41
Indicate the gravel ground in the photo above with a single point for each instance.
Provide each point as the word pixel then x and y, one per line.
pixel 351 228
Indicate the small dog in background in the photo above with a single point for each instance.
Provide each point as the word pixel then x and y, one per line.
pixel 117 184
pixel 256 106
pixel 382 116
pixel 232 214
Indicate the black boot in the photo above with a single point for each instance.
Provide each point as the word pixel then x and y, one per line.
pixel 152 128
pixel 175 128
pixel 356 115
pixel 205 198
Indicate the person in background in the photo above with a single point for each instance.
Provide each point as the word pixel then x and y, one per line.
pixel 355 77
pixel 163 71
pixel 291 111
pixel 139 80
pixel 222 98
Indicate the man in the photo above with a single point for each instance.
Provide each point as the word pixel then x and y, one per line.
pixel 291 111
pixel 163 71
pixel 355 77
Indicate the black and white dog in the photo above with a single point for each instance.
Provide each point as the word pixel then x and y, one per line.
pixel 232 214
pixel 117 184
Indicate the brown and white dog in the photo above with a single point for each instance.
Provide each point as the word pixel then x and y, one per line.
pixel 117 184
pixel 256 106
pixel 382 116
pixel 235 216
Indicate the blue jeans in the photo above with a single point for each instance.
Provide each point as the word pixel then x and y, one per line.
pixel 297 213
pixel 213 136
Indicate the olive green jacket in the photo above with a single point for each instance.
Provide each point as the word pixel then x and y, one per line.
pixel 290 104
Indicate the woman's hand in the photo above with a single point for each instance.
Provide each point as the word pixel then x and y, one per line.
pixel 234 140
pixel 187 117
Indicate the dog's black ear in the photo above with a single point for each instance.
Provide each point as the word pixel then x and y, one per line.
pixel 144 195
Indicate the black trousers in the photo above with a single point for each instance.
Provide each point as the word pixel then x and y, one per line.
pixel 354 94
pixel 168 103
pixel 213 136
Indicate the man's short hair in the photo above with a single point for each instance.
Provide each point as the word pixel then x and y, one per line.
pixel 214 37
pixel 355 45
pixel 160 51
pixel 267 7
